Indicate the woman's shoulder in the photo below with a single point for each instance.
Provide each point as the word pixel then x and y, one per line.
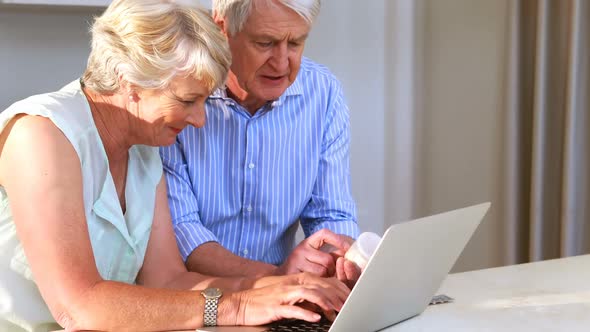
pixel 69 95
pixel 67 110
pixel 65 107
pixel 29 131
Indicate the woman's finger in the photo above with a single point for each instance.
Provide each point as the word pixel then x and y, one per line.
pixel 342 288
pixel 298 294
pixel 336 286
pixel 295 312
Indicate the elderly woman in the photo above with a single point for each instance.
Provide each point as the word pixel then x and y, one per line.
pixel 85 234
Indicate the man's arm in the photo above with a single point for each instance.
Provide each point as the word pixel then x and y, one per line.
pixel 198 246
pixel 331 205
pixel 213 259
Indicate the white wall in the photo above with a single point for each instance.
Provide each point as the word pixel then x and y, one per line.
pixel 464 43
pixel 348 37
pixel 40 50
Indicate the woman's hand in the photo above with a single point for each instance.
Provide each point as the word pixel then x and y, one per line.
pixel 284 301
pixel 303 278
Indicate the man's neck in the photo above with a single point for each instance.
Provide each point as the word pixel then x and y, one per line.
pixel 235 92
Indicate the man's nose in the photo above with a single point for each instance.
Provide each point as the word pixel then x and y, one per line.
pixel 280 57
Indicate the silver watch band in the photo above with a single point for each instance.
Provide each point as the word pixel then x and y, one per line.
pixel 210 315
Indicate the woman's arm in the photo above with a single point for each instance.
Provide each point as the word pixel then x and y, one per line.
pixel 163 266
pixel 39 167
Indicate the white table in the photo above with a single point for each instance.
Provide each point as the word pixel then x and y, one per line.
pixel 547 296
pixel 552 295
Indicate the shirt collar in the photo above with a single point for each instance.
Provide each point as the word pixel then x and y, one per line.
pixel 294 89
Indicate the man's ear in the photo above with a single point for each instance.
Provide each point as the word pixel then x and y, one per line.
pixel 220 21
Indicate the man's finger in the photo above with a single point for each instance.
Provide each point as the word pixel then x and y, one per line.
pixel 324 236
pixel 315 269
pixel 323 259
pixel 340 274
pixel 352 272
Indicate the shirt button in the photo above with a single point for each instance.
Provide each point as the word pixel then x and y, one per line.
pixel 245 251
pixel 251 165
pixel 249 208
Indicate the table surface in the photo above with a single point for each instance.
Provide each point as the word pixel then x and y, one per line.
pixel 552 295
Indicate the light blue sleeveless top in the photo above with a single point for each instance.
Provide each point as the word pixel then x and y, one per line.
pixel 119 241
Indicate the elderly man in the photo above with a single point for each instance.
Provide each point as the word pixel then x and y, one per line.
pixel 274 150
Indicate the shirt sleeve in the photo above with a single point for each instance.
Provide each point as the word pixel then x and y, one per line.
pixel 331 205
pixel 190 231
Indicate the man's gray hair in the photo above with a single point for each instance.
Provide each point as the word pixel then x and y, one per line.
pixel 236 12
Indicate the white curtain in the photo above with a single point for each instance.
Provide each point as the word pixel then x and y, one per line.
pixel 546 176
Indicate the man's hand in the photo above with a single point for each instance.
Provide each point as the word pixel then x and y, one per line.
pixel 318 255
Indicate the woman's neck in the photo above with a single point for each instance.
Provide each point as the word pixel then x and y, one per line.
pixel 113 124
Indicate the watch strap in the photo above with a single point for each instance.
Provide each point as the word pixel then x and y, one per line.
pixel 210 314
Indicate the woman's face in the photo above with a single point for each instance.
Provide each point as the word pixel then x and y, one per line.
pixel 163 114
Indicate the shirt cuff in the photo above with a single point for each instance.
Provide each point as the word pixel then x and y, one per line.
pixel 344 227
pixel 190 235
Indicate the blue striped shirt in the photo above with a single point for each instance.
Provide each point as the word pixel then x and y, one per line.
pixel 245 180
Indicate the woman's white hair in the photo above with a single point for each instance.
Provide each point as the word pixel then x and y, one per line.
pixel 236 12
pixel 149 42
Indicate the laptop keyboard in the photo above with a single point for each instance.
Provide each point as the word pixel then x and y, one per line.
pixel 300 326
pixel 324 324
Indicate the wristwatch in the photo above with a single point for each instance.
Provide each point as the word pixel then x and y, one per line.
pixel 211 296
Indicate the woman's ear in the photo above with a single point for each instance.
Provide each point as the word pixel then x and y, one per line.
pixel 133 96
pixel 128 89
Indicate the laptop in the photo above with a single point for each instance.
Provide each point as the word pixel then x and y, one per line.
pixel 399 281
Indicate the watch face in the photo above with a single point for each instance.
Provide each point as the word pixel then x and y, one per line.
pixel 212 292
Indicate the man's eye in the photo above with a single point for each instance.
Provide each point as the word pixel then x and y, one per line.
pixel 264 44
pixel 188 102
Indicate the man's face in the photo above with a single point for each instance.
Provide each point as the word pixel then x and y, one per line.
pixel 267 52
